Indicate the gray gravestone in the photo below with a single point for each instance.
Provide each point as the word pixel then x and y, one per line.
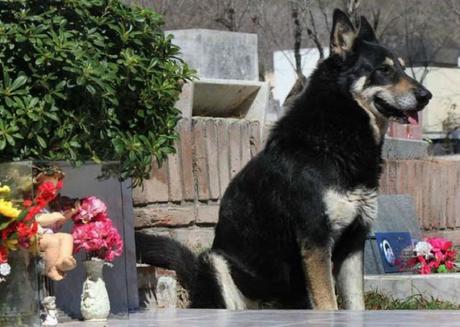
pixel 396 213
pixel 219 54
pixel 121 279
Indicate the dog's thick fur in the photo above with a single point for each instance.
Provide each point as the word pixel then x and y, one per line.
pixel 293 222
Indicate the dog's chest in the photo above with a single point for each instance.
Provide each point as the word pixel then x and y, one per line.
pixel 343 207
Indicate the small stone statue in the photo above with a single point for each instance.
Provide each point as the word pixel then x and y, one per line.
pixel 50 315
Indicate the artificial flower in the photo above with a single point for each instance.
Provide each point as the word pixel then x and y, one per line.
pixel 5 189
pixel 423 248
pixel 27 203
pixel 91 208
pixel 8 210
pixel 93 231
pixel 3 254
pixel 5 269
pixel 434 255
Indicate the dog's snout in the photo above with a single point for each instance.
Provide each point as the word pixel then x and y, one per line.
pixel 423 96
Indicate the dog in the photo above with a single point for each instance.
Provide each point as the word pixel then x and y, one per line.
pixel 293 222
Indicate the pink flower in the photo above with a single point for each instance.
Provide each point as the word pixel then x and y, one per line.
pixel 425 269
pixel 439 244
pixel 99 237
pixel 91 208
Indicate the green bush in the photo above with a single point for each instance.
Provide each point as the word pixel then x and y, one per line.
pixel 87 80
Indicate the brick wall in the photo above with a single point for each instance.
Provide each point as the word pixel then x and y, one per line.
pixel 435 186
pixel 182 197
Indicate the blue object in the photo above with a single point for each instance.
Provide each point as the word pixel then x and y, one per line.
pixel 391 245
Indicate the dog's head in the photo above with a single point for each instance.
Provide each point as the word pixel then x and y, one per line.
pixel 375 77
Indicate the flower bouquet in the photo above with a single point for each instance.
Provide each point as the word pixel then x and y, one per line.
pixel 94 233
pixel 18 227
pixel 18 242
pixel 434 255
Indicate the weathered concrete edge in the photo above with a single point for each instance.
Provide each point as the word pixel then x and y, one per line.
pixel 403 149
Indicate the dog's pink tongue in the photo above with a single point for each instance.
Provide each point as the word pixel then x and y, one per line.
pixel 412 117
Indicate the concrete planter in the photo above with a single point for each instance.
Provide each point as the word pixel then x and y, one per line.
pixel 401 286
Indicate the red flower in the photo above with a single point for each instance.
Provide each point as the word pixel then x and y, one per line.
pixel 32 212
pixel 27 203
pixel 47 191
pixel 3 254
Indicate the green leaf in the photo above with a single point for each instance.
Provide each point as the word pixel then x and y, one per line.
pixel 18 82
pixel 41 141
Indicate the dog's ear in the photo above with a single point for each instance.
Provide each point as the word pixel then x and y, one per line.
pixel 366 32
pixel 343 33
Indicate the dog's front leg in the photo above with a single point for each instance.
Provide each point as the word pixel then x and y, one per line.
pixel 350 281
pixel 318 276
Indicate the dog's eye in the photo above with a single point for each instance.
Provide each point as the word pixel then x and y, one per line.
pixel 386 69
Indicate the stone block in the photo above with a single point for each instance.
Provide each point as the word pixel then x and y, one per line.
pixel 223 154
pixel 219 54
pixel 186 158
pixel 389 285
pixel 200 167
pixel 207 214
pixel 212 151
pixel 154 189
pixel 196 238
pixel 245 143
pixel 235 148
pixel 174 177
pixel 396 213
pixel 227 99
pixel 443 287
pixel 404 149
pixel 164 216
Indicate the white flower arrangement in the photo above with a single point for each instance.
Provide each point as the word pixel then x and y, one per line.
pixel 5 270
pixel 423 248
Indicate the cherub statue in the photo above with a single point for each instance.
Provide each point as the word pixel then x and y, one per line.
pixel 56 247
pixel 50 315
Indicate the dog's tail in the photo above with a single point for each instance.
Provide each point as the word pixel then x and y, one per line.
pixel 164 252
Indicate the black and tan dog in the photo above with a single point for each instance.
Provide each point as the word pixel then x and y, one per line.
pixel 293 222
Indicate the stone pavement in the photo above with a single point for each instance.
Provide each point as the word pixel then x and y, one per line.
pixel 278 318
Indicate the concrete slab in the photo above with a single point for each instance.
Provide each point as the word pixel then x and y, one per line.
pixel 219 54
pixel 225 98
pixel 439 286
pixel 281 318
pixel 404 149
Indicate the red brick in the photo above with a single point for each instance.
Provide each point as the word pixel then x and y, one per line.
pixel 392 177
pixel 152 216
pixel 235 148
pixel 383 180
pixel 457 196
pixel 175 177
pixel 199 158
pixel 223 154
pixel 419 190
pixel 245 143
pixel 401 177
pixel 451 191
pixel 425 198
pixel 442 196
pixel 186 159
pixel 207 214
pixel 154 189
pixel 212 152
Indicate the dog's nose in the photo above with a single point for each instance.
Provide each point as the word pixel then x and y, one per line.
pixel 423 96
